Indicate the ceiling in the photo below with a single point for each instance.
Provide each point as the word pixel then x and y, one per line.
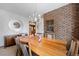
pixel 27 9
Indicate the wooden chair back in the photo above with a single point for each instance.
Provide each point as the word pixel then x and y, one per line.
pixel 73 51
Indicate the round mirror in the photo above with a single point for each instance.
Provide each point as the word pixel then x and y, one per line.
pixel 15 25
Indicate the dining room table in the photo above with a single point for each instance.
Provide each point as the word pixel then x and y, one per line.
pixel 46 46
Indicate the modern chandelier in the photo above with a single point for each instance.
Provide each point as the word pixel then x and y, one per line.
pixel 35 17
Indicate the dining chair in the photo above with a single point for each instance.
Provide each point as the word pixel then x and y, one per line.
pixel 24 49
pixel 73 50
pixel 18 49
pixel 21 48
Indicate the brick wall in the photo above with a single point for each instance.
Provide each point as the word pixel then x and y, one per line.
pixel 75 32
pixel 65 21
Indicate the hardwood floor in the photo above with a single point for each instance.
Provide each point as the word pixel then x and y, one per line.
pixel 8 51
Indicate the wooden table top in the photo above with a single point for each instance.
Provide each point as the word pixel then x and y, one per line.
pixel 46 47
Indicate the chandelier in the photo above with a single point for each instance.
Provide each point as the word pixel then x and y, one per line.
pixel 35 17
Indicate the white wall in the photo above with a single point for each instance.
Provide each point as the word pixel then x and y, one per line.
pixel 5 17
pixel 40 26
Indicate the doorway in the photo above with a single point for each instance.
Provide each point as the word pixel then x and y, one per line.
pixel 32 28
